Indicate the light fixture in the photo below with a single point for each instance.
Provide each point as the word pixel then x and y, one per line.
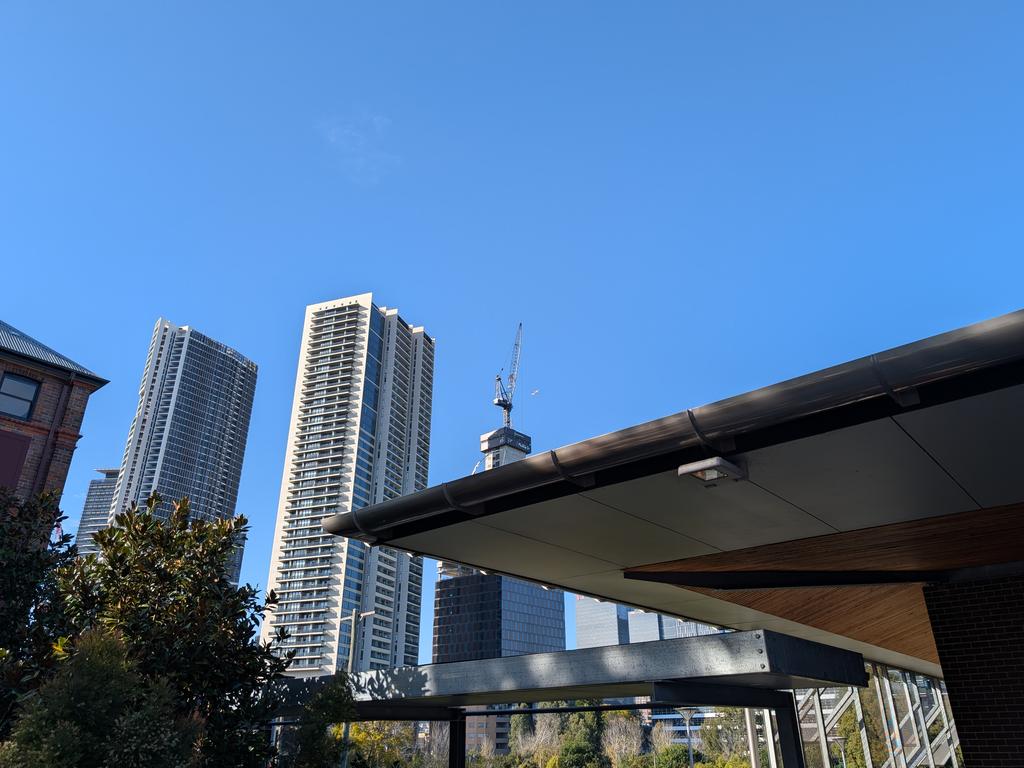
pixel 712 471
pixel 483 572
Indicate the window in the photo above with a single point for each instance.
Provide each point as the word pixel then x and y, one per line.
pixel 17 395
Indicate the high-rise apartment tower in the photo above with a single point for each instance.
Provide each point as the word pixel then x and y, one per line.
pixel 190 427
pixel 360 435
pixel 96 511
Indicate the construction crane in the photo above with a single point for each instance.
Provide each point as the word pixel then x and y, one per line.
pixel 505 388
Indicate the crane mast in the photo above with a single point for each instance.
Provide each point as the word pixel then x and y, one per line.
pixel 505 445
pixel 505 389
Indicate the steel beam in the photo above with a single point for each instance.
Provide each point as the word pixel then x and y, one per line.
pixel 685 694
pixel 752 659
pixel 810 579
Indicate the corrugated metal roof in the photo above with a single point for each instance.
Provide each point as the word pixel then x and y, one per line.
pixel 13 340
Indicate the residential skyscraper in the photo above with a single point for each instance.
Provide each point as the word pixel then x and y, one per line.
pixel 360 434
pixel 190 427
pixel 96 511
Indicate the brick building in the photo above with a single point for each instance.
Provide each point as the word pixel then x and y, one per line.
pixel 43 396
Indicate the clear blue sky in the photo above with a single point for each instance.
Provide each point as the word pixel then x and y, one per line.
pixel 681 201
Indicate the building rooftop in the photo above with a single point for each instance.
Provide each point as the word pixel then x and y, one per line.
pixel 18 343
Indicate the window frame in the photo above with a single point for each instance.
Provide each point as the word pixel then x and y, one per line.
pixel 31 403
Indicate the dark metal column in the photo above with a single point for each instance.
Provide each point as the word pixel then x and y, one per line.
pixel 789 735
pixel 457 743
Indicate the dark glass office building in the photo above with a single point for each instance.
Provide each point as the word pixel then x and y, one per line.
pixel 485 616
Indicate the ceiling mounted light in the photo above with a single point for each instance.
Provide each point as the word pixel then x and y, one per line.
pixel 712 471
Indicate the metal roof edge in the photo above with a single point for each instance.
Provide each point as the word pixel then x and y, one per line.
pixel 880 384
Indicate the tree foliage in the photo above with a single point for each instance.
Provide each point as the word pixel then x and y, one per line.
pixel 159 587
pixel 383 744
pixel 98 711
pixel 622 738
pixel 723 738
pixel 163 587
pixel 32 548
pixel 675 756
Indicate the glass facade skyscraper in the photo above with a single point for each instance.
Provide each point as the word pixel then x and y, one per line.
pixel 190 427
pixel 360 434
pixel 96 511
pixel 599 623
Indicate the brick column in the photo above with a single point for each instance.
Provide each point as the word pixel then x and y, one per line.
pixel 979 632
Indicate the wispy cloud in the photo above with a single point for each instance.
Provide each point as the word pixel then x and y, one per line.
pixel 358 140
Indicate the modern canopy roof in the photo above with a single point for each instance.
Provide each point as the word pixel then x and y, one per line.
pixel 22 345
pixel 923 436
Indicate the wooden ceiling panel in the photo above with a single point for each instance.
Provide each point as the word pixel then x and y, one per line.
pixel 890 616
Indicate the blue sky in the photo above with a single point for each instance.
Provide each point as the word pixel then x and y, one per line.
pixel 680 201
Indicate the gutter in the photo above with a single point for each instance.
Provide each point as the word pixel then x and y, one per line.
pixel 977 358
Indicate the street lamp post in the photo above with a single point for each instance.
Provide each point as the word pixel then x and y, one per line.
pixel 688 713
pixel 842 747
pixel 355 617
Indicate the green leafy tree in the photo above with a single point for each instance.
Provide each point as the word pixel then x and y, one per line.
pixel 579 754
pixel 585 727
pixel 97 711
pixel 383 744
pixel 675 756
pixel 848 729
pixel 32 548
pixel 162 587
pixel 723 738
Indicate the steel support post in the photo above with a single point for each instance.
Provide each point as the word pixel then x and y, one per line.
pixel 769 736
pixel 752 745
pixel 457 743
pixel 789 735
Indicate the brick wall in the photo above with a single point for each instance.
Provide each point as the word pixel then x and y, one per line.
pixel 979 631
pixel 46 467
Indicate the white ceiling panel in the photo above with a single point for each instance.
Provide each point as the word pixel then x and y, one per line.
pixel 731 515
pixel 511 553
pixel 612 585
pixel 577 523
pixel 862 476
pixel 977 440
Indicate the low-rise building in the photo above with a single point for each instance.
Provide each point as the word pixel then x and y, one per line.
pixel 43 396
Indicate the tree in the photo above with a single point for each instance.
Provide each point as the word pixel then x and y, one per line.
pixel 383 744
pixel 585 727
pixel 623 738
pixel 97 710
pixel 674 756
pixel 578 754
pixel 32 548
pixel 537 738
pixel 161 586
pixel 849 730
pixel 723 737
pixel 661 737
